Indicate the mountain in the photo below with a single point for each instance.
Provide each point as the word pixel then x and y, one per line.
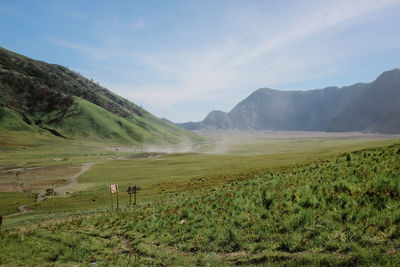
pixel 372 107
pixel 36 96
pixel 376 109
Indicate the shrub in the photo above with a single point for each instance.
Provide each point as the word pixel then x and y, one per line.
pixel 267 199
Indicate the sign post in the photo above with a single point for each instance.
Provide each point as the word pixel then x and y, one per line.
pixel 132 190
pixel 130 195
pixel 114 189
pixel 135 191
pixel 112 205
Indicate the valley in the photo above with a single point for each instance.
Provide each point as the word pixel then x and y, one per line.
pixel 217 190
pixel 80 175
pixel 285 178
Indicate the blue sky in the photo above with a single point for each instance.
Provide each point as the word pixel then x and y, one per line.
pixel 182 59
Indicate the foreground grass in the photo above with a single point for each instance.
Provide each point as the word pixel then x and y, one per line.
pixel 343 211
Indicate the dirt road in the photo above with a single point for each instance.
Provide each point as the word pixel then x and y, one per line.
pixel 22 209
pixel 73 181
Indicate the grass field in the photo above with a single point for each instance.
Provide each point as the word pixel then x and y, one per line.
pixel 41 164
pixel 325 209
pixel 182 179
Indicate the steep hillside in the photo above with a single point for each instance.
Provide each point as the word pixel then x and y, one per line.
pixel 371 107
pixel 268 109
pixel 36 96
pixel 377 109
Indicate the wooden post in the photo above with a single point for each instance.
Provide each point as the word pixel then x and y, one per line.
pixel 134 191
pixel 131 190
pixel 114 189
pixel 117 200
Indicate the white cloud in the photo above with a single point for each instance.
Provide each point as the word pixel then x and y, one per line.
pixel 236 65
pixel 212 72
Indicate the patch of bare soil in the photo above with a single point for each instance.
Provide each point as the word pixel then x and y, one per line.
pixel 72 183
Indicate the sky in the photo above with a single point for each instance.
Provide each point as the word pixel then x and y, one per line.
pixel 181 59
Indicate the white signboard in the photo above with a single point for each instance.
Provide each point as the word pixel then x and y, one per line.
pixel 113 188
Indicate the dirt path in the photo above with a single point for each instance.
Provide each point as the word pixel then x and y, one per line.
pixel 73 179
pixel 22 209
pixel 73 182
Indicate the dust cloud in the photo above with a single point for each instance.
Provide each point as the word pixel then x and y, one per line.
pixel 225 142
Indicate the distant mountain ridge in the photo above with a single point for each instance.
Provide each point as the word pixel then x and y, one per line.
pixel 36 96
pixel 369 107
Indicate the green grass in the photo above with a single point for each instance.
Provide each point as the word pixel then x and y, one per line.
pixel 38 97
pixel 207 189
pixel 339 211
pixel 159 175
pixel 89 122
pixel 10 201
pixel 12 121
pixel 96 123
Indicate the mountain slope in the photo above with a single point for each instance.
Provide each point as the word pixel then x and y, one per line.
pixel 377 109
pixel 268 109
pixel 372 107
pixel 36 96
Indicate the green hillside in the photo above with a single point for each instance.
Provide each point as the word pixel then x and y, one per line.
pixel 36 97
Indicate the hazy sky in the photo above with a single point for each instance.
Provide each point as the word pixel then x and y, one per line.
pixel 182 59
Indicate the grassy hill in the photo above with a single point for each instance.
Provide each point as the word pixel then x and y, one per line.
pixel 40 97
pixel 341 211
